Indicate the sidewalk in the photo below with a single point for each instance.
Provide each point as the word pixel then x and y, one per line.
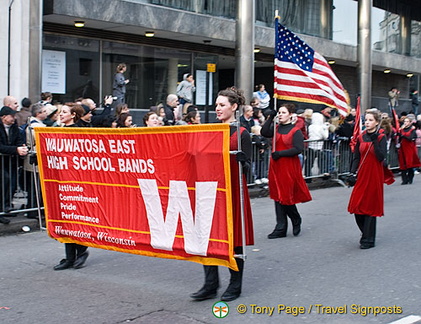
pixel 17 223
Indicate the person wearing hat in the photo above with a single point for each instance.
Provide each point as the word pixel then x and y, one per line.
pixel 52 115
pixel 300 122
pixel 24 113
pixel 98 119
pixel 11 144
pixel 85 120
pixel 39 114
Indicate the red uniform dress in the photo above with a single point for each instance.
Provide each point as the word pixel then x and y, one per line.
pixel 408 155
pixel 367 195
pixel 286 181
pixel 236 206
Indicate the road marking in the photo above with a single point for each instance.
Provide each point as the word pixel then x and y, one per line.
pixel 412 319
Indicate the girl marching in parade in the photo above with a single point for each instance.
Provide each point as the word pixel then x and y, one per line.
pixel 227 102
pixel 286 183
pixel 408 155
pixel 366 200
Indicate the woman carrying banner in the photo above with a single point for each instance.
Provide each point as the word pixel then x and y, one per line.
pixel 286 183
pixel 366 200
pixel 76 254
pixel 227 102
pixel 408 155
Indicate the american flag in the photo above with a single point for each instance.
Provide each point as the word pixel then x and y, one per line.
pixel 303 75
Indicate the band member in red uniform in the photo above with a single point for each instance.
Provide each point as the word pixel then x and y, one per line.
pixel 366 200
pixel 227 102
pixel 408 155
pixel 286 183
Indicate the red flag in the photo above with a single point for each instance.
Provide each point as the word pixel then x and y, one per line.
pixel 358 127
pixel 396 119
pixel 301 74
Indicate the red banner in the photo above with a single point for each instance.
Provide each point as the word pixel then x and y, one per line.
pixel 162 192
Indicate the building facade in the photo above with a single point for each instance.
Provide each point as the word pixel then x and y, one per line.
pixel 44 51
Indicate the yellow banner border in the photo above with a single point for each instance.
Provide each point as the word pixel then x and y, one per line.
pixel 231 263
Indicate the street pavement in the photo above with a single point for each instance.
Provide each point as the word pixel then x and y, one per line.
pixel 321 276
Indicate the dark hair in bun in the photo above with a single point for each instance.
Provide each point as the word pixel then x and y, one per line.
pixel 234 95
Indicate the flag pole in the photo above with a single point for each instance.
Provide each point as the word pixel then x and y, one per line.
pixel 275 102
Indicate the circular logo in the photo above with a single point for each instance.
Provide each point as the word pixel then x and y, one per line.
pixel 220 309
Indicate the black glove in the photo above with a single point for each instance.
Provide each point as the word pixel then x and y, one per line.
pixel 33 159
pixel 374 136
pixel 241 157
pixel 276 155
pixel 351 180
pixel 272 113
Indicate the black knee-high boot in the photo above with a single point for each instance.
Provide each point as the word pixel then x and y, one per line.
pixel 211 285
pixel 410 175
pixel 369 232
pixel 81 256
pixel 70 251
pixel 236 279
pixel 404 175
pixel 295 217
pixel 359 219
pixel 281 222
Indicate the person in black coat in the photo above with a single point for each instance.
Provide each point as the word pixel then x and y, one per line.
pixel 246 119
pixel 170 110
pixel 345 132
pixel 98 118
pixel 11 146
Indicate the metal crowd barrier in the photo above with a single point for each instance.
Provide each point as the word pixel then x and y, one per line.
pixel 17 188
pixel 328 159
pixel 320 159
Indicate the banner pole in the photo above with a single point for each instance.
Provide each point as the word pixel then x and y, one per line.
pixel 34 173
pixel 241 183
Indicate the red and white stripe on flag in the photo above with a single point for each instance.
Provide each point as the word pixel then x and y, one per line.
pixel 303 75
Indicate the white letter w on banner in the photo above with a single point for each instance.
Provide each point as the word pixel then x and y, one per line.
pixel 196 230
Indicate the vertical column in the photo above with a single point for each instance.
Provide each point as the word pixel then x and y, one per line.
pixel 326 19
pixel 35 48
pixel 244 47
pixel 405 33
pixel 364 52
pixel 172 75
